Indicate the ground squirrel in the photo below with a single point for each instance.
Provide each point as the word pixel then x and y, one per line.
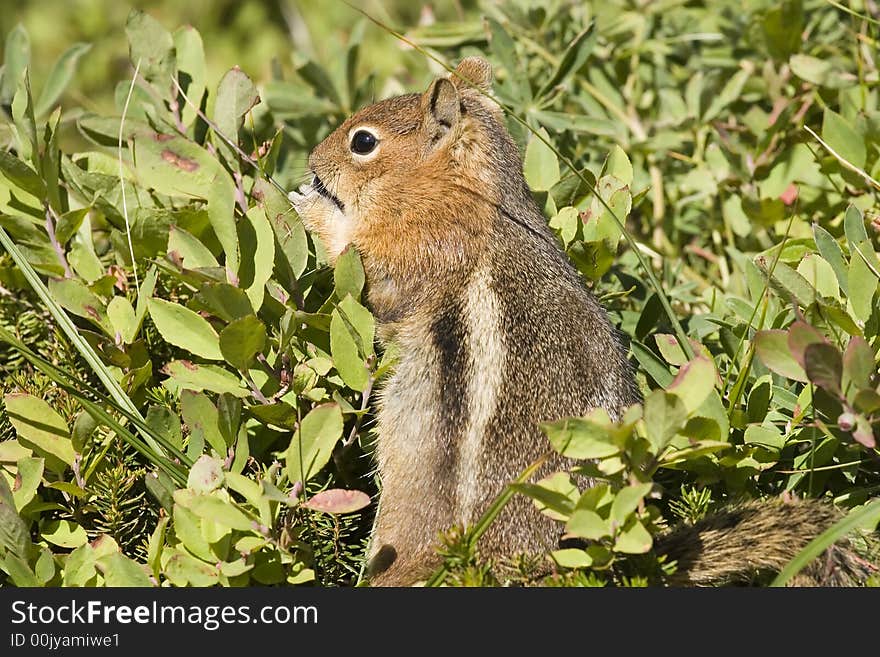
pixel 495 329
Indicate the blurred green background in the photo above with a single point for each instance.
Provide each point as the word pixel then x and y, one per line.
pixel 253 34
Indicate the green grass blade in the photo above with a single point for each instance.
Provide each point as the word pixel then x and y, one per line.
pixel 868 514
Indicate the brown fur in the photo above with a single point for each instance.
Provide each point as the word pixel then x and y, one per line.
pixel 495 329
pixel 744 541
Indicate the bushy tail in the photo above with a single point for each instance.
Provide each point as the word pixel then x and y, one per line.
pixel 741 542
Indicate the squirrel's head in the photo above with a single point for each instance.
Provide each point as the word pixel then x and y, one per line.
pixel 412 175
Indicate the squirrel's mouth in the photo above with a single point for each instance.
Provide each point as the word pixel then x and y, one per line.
pixel 319 186
pixel 305 194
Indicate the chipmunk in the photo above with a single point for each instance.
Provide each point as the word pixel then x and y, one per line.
pixel 495 328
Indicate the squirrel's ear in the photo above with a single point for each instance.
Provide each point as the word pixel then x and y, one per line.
pixel 441 105
pixel 473 72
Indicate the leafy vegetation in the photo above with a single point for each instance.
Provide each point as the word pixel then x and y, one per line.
pixel 188 388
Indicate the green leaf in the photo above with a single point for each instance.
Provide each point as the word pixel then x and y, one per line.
pixel 346 355
pixel 215 509
pixel 348 274
pixel 596 498
pixel 279 414
pixel 120 571
pixel 151 45
pixel 203 420
pixel 14 534
pixel 554 496
pixel 288 227
pixel 651 364
pixel 236 95
pixel 225 301
pixel 361 323
pixel 185 570
pixel 258 249
pixel 188 526
pixel 772 348
pixel 540 166
pixel 843 138
pixel 566 222
pixel 23 117
pixel 122 318
pixel 19 571
pixel 11 452
pixel 854 226
pixel 664 415
pixel 764 436
pixel 312 445
pixel 16 58
pixel 69 223
pixel 576 54
pixel 858 364
pixel 783 26
pixel 867 401
pixel 819 274
pixel 862 284
pixel 627 500
pixel 183 328
pixel 64 533
pixel 189 376
pixel 588 524
pixel 40 428
pixel 759 399
pixel 177 167
pixel 145 293
pixel 74 296
pixel 190 70
pixel 729 93
pixel 670 349
pixel 79 566
pixel 812 69
pixel 634 539
pixel 60 76
pixel 21 175
pixel 320 81
pixel 205 475
pixel 30 474
pixel 786 282
pixel 165 422
pixel 242 340
pixel 619 166
pixel 694 382
pixel 824 366
pixel 831 251
pixel 590 125
pixel 589 437
pixel 191 251
pixel 571 558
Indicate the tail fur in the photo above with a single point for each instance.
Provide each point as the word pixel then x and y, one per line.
pixel 740 543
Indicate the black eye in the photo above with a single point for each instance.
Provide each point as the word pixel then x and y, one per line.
pixel 363 142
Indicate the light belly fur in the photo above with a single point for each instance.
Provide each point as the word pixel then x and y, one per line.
pixel 486 355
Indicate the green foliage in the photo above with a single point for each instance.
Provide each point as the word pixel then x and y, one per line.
pixel 200 412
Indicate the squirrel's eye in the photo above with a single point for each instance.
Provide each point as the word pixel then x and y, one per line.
pixel 363 142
